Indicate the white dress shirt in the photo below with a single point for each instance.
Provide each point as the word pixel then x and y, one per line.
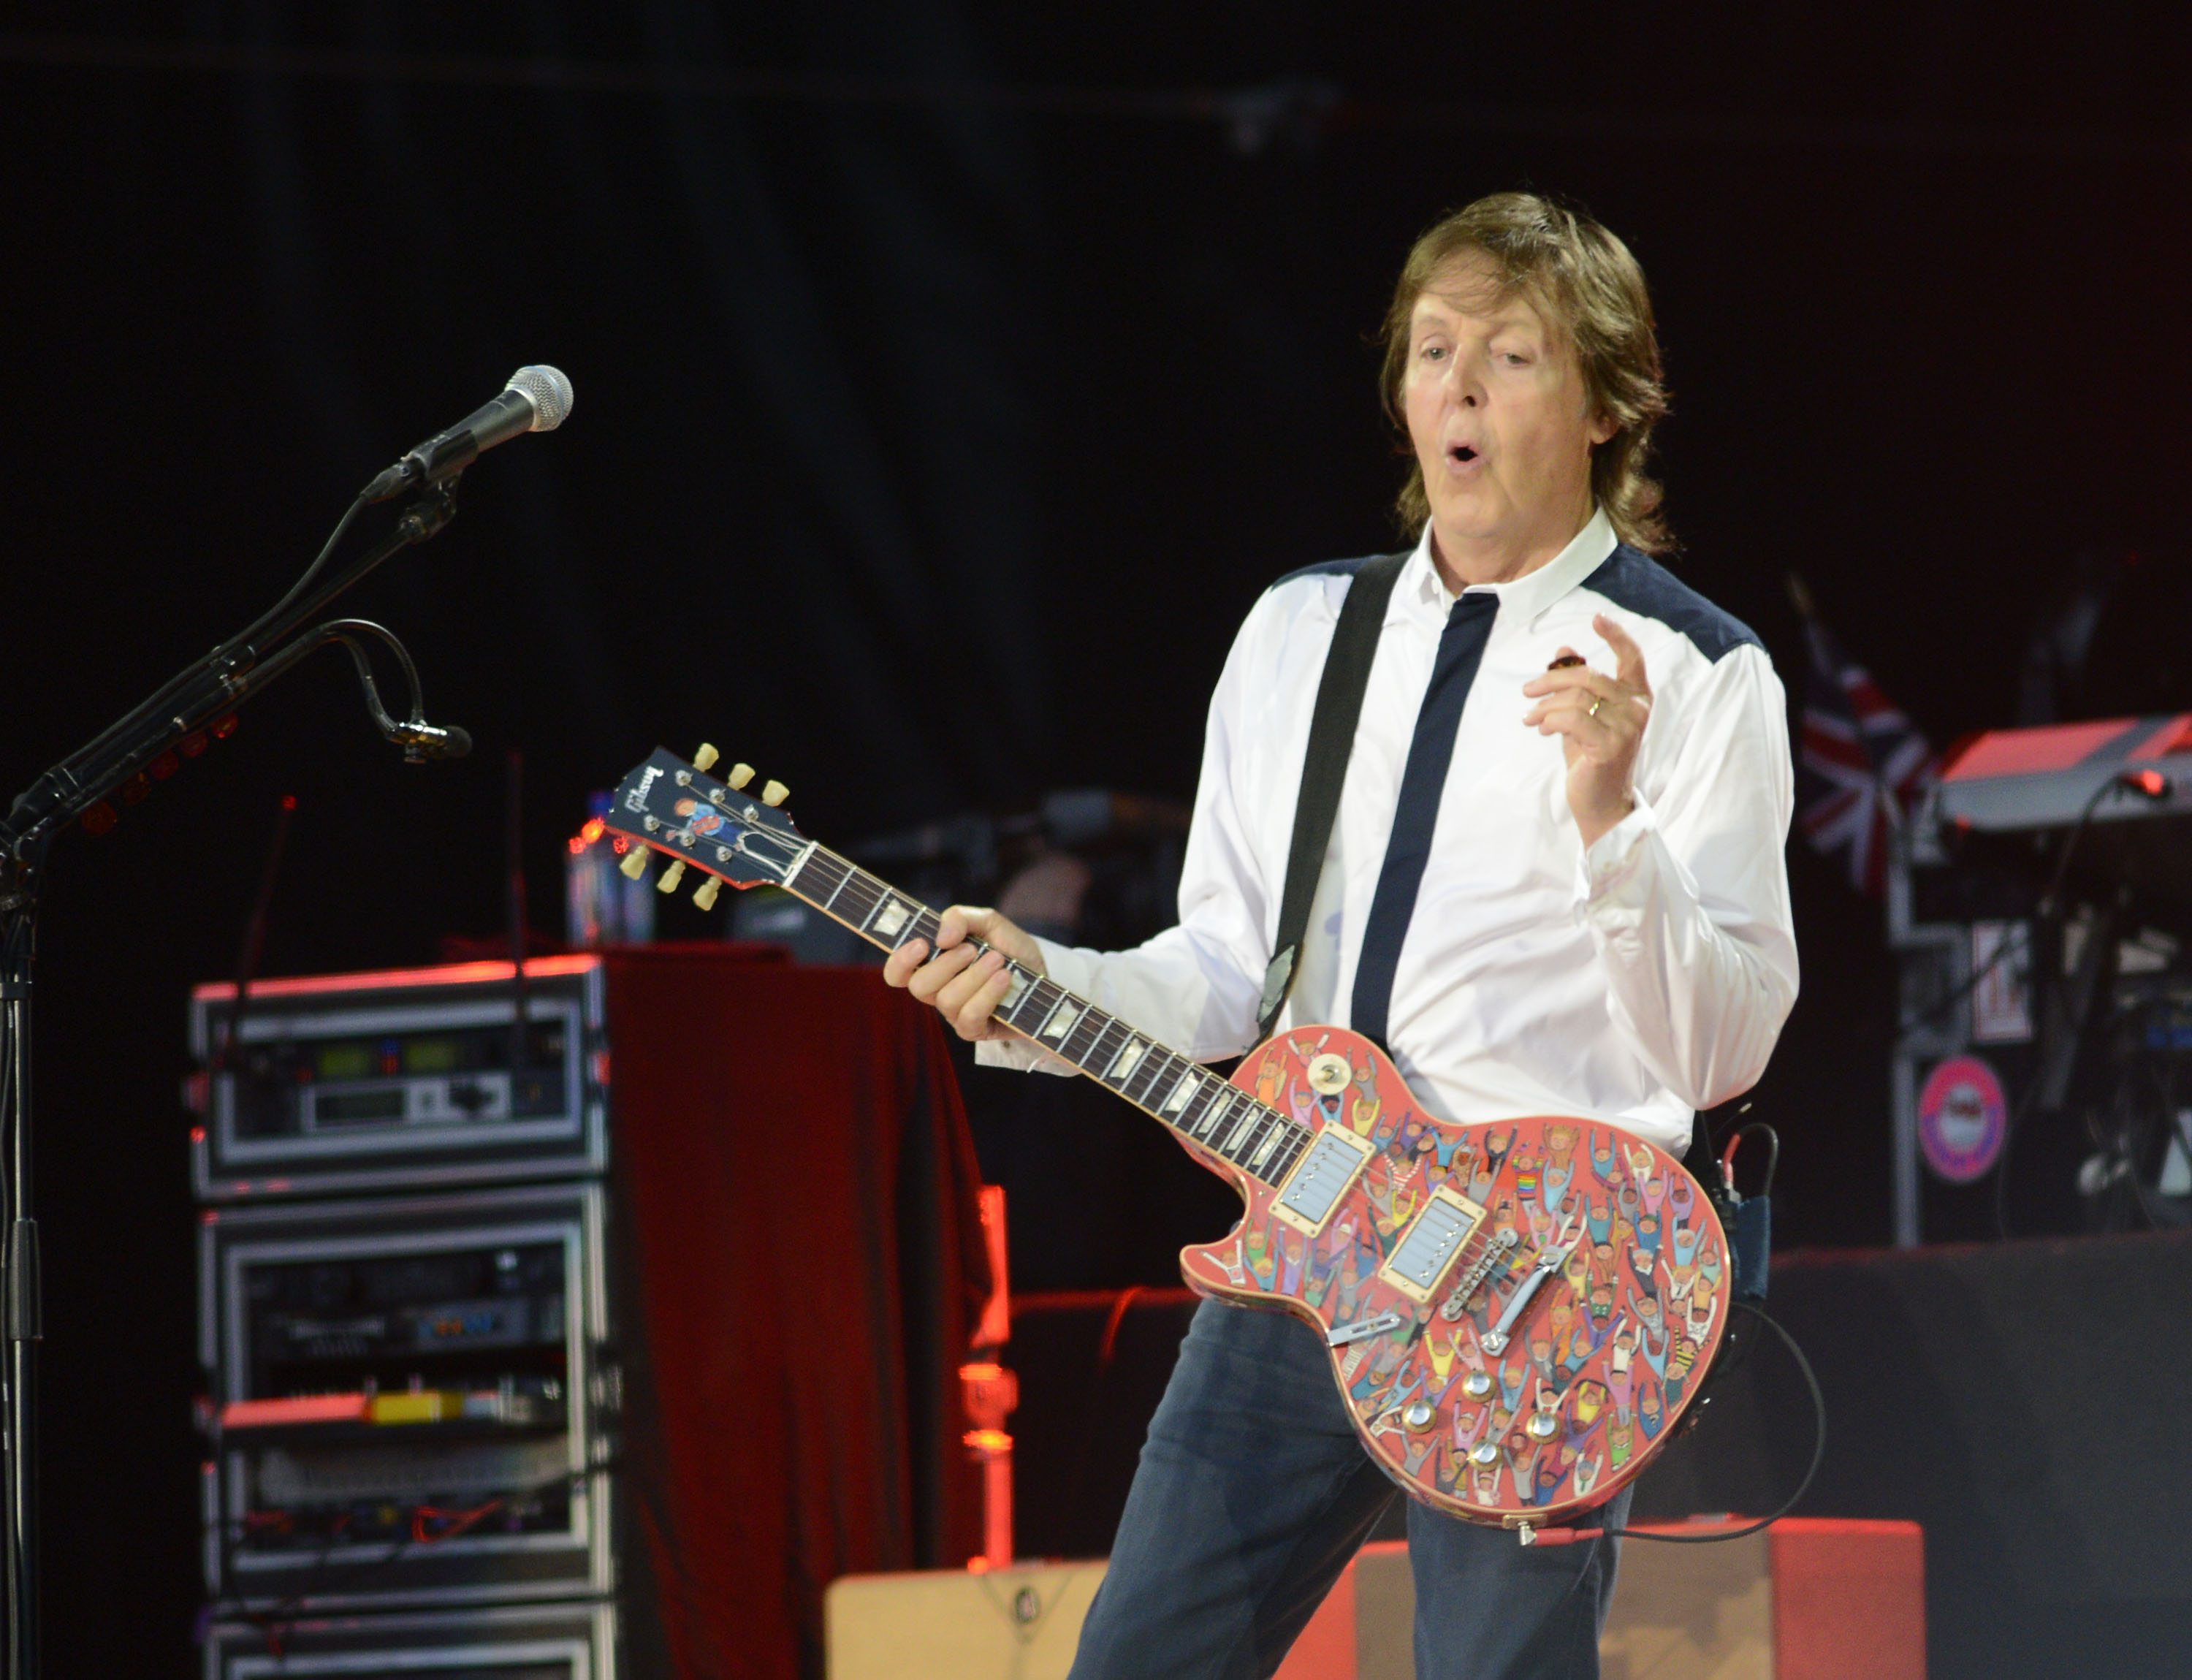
pixel 1632 984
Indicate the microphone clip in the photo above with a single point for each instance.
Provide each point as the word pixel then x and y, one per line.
pixel 422 742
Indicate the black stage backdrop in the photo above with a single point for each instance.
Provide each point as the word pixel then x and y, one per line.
pixel 950 379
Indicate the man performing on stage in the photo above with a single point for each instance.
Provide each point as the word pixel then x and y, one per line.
pixel 1555 886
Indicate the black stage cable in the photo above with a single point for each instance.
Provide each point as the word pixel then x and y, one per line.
pixel 2050 904
pixel 253 942
pixel 2047 906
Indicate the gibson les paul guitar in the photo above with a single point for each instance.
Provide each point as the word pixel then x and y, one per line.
pixel 1517 1313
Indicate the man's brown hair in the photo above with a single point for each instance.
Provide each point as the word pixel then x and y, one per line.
pixel 1589 288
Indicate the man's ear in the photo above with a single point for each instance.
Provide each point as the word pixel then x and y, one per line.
pixel 1603 425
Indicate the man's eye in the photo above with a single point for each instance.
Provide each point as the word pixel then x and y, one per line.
pixel 1432 352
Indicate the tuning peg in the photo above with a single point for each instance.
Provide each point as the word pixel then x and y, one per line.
pixel 705 757
pixel 774 794
pixel 740 776
pixel 704 895
pixel 671 876
pixel 635 863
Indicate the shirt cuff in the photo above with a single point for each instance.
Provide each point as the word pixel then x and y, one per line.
pixel 1611 861
pixel 1070 969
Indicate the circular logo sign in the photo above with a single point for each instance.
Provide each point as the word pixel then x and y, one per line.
pixel 1962 1118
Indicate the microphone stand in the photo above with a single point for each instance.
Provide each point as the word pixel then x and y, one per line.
pixel 116 761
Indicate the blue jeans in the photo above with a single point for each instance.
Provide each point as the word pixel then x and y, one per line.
pixel 1251 1495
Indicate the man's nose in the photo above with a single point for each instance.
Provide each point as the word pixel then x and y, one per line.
pixel 1464 381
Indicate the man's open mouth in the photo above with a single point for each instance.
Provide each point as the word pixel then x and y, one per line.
pixel 1460 453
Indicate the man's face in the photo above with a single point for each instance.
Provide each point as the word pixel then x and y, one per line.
pixel 1497 412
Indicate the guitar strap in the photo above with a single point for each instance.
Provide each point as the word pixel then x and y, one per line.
pixel 1324 767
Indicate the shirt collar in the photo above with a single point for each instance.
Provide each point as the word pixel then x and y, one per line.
pixel 1423 594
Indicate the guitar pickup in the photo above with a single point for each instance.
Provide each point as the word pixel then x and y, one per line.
pixel 1306 1200
pixel 1421 1257
pixel 1363 1328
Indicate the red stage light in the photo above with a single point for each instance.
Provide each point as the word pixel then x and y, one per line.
pixel 2152 783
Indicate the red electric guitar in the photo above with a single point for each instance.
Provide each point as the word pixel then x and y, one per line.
pixel 1517 1313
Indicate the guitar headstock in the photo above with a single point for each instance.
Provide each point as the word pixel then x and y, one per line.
pixel 716 826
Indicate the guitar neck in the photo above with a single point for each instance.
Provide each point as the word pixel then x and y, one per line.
pixel 1217 1118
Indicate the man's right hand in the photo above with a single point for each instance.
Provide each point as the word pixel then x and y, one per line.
pixel 965 986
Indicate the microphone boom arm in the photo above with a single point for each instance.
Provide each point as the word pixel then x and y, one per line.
pixel 209 689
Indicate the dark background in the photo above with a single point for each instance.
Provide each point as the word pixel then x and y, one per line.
pixel 950 377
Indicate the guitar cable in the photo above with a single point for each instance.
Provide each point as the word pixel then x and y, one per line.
pixel 1570 1536
pixel 1726 1202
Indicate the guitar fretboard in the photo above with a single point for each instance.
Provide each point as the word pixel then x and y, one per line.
pixel 1214 1116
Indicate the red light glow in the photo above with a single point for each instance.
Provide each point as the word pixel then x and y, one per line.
pixel 591 830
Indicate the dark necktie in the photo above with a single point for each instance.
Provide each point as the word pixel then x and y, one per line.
pixel 1461 648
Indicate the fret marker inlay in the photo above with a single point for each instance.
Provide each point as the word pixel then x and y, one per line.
pixel 1241 1131
pixel 894 916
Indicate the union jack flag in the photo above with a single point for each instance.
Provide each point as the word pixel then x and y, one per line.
pixel 1862 765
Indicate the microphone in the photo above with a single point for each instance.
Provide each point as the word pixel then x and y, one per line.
pixel 536 399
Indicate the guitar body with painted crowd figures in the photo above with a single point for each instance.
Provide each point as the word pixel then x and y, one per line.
pixel 1517 1313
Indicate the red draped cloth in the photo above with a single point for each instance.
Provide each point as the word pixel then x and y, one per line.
pixel 799 1264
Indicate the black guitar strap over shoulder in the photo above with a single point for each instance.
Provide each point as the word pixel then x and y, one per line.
pixel 1324 767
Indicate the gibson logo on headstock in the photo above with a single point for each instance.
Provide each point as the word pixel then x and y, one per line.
pixel 637 799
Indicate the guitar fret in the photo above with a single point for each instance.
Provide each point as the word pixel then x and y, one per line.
pixel 794 877
pixel 1031 993
pixel 1206 1120
pixel 1154 1069
pixel 1121 1070
pixel 1078 1046
pixel 1100 1049
pixel 1029 987
pixel 887 918
pixel 862 895
pixel 1244 1143
pixel 1234 1143
pixel 1199 1096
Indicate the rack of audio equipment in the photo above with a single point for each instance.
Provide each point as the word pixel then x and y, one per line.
pixel 412 1401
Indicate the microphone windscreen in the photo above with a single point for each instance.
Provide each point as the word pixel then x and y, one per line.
pixel 550 392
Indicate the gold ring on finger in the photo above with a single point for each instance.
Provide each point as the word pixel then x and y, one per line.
pixel 1591 710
